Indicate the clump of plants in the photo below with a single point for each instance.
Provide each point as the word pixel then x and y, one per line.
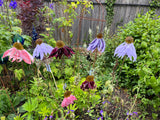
pixel 144 73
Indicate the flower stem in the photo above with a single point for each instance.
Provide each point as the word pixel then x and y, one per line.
pixel 54 79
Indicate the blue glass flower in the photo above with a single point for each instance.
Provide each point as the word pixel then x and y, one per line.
pixel 1 2
pixel 13 4
pixel 97 43
pixel 126 48
pixel 41 49
pixel 51 6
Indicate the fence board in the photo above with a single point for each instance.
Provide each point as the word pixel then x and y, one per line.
pixel 122 15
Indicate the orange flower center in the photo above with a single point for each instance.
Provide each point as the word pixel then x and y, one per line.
pixel 60 44
pixel 90 78
pixel 129 40
pixel 67 94
pixel 18 45
pixel 39 41
pixel 99 36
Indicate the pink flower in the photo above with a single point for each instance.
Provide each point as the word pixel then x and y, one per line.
pixel 68 99
pixel 18 53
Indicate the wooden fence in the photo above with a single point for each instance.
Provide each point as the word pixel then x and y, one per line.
pixel 124 11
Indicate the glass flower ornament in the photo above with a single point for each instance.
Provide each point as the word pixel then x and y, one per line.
pixel 61 49
pixel 98 43
pixel 126 48
pixel 68 99
pixel 88 83
pixel 18 53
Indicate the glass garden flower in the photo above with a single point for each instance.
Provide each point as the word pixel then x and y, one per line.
pixel 41 50
pixel 1 2
pixel 68 99
pixel 18 53
pixel 61 49
pixel 88 83
pixel 98 43
pixel 13 4
pixel 126 48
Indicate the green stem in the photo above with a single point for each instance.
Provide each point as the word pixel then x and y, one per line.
pixel 54 79
pixel 133 104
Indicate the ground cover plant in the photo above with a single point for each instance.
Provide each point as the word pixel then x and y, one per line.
pixel 41 78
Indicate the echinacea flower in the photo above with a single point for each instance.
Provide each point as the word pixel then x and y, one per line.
pixel 126 48
pixel 61 49
pixel 1 2
pixel 88 83
pixel 41 49
pixel 3 60
pixel 98 43
pixel 51 6
pixel 13 4
pixel 18 53
pixel 68 99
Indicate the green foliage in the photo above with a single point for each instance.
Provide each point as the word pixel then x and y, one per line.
pixel 7 103
pixel 19 73
pixel 110 11
pixel 145 71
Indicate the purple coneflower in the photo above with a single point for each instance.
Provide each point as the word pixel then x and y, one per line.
pixel 126 48
pixel 98 42
pixel 41 49
pixel 88 83
pixel 61 49
pixel 1 2
pixel 13 4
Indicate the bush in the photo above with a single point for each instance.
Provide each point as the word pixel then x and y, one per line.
pixel 143 73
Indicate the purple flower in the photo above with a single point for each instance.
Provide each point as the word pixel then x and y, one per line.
pixel 97 43
pixel 135 113
pixel 50 116
pixel 1 2
pixel 45 118
pixel 101 112
pixel 132 113
pixel 41 50
pixel 100 118
pixel 69 111
pixel 51 6
pixel 13 4
pixel 105 102
pixel 129 113
pixel 126 48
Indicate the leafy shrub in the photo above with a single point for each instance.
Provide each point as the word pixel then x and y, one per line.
pixel 143 73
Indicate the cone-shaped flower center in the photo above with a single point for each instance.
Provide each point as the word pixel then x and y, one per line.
pixel 90 78
pixel 129 40
pixel 18 45
pixel 100 36
pixel 39 41
pixel 67 94
pixel 60 44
